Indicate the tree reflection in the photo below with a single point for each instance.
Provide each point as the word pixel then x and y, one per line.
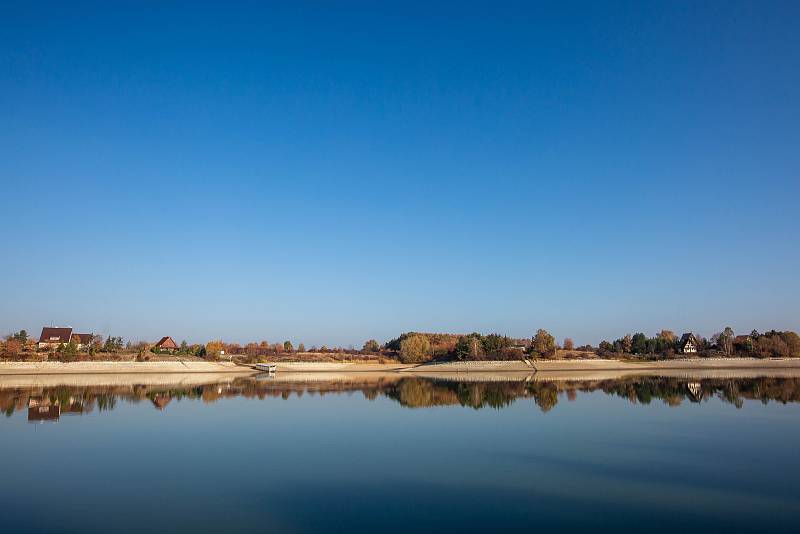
pixel 409 392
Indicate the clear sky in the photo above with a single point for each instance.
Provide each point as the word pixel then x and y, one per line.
pixel 332 174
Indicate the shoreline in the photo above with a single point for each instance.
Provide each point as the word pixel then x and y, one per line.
pixel 534 367
pixel 106 367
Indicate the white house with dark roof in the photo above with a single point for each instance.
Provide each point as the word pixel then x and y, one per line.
pixel 53 337
pixel 688 344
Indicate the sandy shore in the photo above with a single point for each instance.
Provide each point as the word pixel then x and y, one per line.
pixel 60 368
pixel 552 368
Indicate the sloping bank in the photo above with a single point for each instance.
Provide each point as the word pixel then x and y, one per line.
pixel 60 368
pixel 546 366
pixel 597 364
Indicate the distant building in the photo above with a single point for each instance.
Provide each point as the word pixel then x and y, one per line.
pixel 53 337
pixel 688 344
pixel 166 343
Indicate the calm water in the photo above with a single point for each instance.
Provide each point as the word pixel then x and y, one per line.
pixel 391 454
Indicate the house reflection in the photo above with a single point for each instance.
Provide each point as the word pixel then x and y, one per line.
pixel 50 403
pixel 160 400
pixel 41 410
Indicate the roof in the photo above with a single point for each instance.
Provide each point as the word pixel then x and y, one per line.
pixel 685 338
pixel 55 334
pixel 167 342
pixel 83 339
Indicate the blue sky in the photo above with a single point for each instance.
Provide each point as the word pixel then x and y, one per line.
pixel 332 174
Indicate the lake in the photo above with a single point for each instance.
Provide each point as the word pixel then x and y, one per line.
pixel 398 453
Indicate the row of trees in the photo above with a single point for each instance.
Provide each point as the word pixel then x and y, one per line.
pixel 419 347
pixel 772 344
pixel 416 347
pixel 664 343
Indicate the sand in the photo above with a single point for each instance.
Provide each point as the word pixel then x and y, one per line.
pixel 537 370
pixel 60 368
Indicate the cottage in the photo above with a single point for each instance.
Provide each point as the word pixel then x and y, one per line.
pixel 52 338
pixel 166 343
pixel 688 344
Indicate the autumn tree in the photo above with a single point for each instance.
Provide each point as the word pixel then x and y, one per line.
pixel 627 343
pixel 371 346
pixel 668 336
pixel 287 346
pixel 214 349
pixel 543 345
pixel 301 347
pixel 415 348
pixel 141 355
pixel 96 344
pixel 568 344
pixel 13 347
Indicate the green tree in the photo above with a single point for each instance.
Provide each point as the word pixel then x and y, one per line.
pixel 287 346
pixel 725 341
pixel 112 344
pixel 639 343
pixel 70 350
pixel 469 347
pixel 543 345
pixel 493 344
pixel 21 336
pixel 414 349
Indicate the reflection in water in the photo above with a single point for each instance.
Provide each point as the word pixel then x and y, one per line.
pixel 50 403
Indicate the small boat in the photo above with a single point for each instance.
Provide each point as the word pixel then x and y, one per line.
pixel 268 367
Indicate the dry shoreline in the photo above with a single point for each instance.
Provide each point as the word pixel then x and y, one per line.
pixel 177 374
pixel 555 367
pixel 101 367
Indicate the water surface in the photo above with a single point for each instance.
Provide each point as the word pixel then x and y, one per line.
pixel 395 453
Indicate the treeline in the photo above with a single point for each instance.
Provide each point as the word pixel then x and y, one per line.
pixel 416 347
pixel 665 344
pixel 420 347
